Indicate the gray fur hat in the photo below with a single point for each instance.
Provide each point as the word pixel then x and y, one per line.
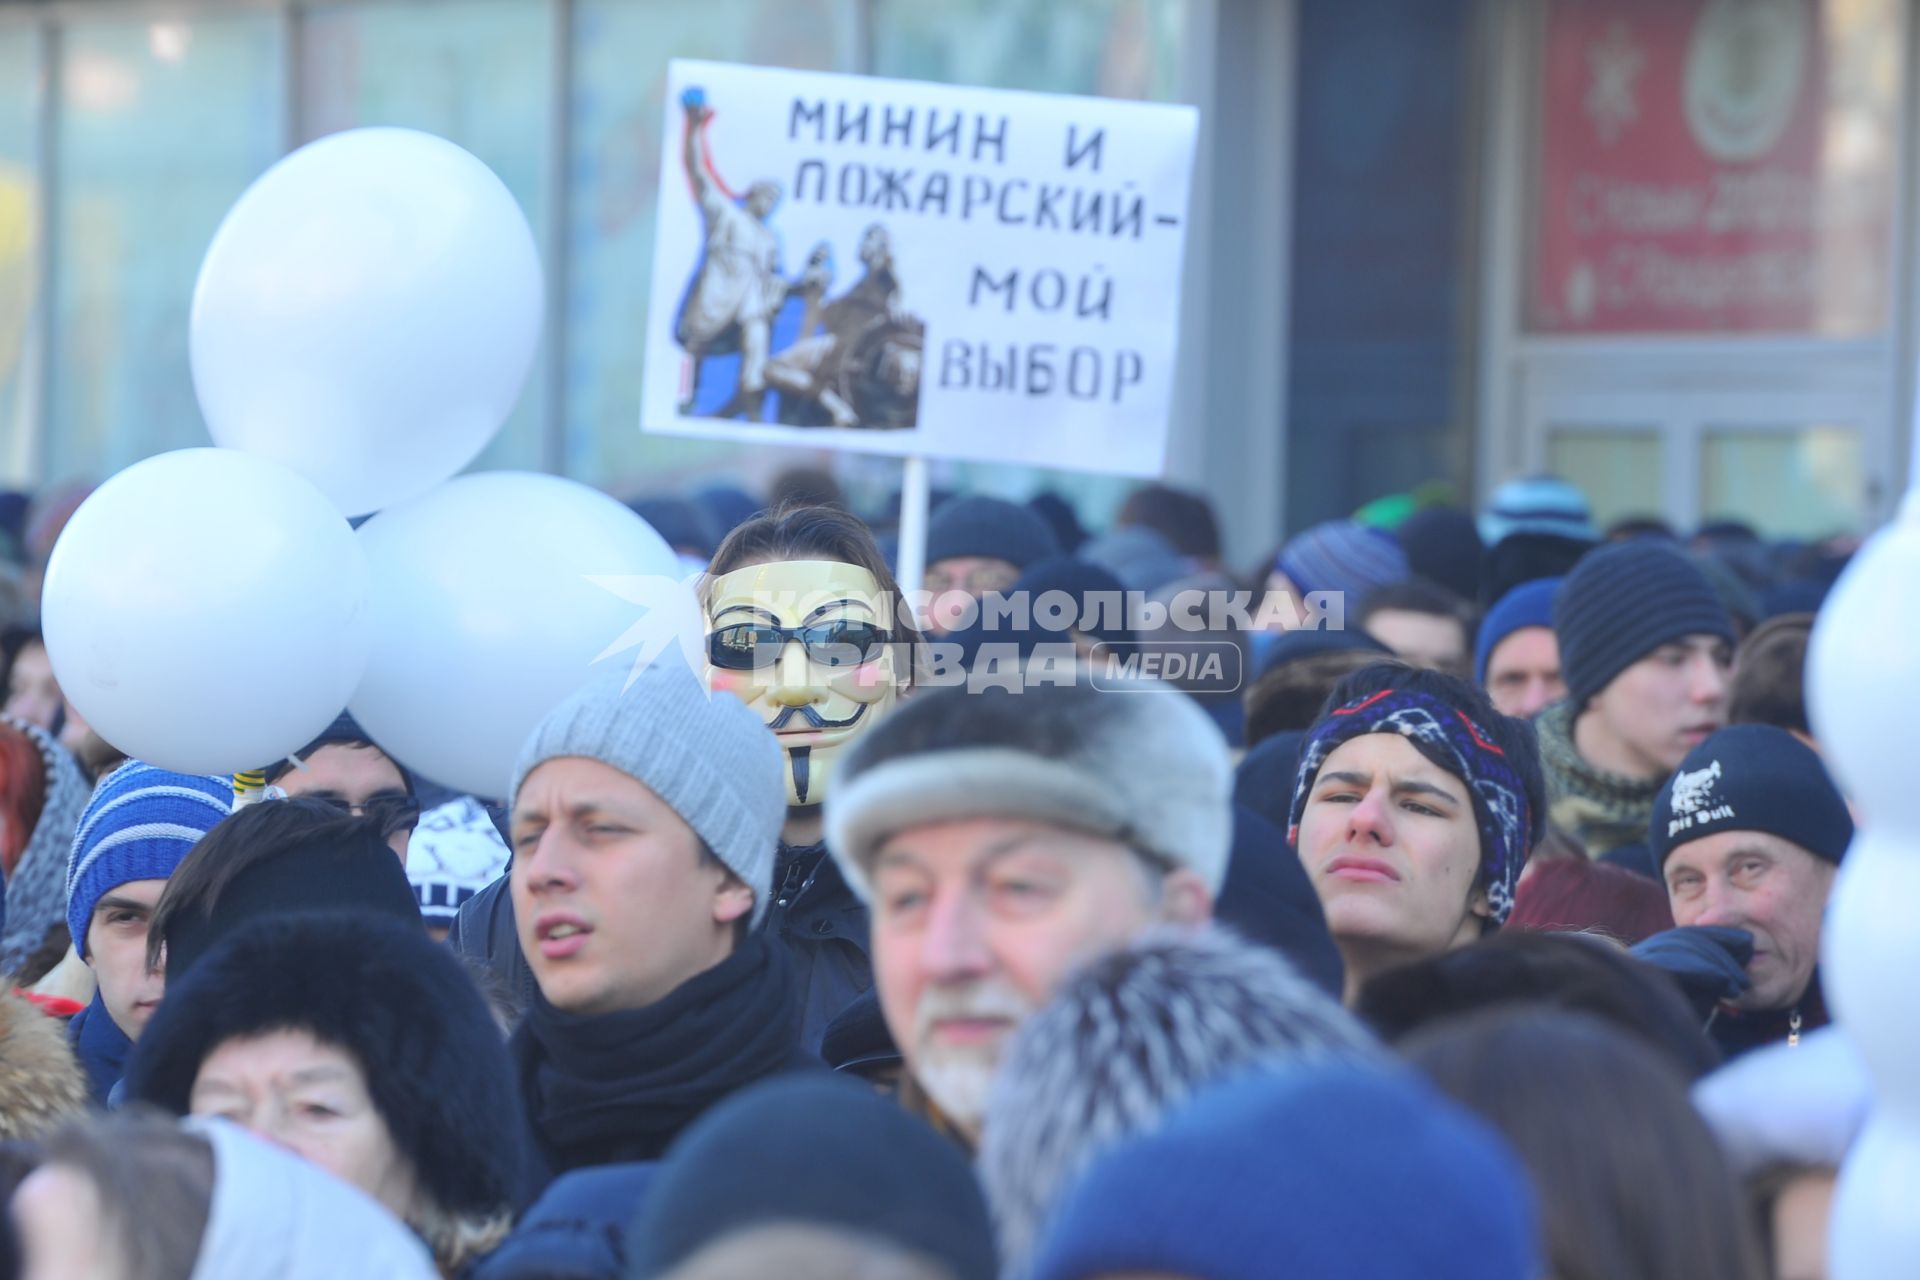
pixel 1144 765
pixel 1125 1040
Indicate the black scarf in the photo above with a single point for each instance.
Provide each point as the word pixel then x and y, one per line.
pixel 620 1086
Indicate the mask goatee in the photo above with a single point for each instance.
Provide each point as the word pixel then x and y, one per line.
pixel 800 760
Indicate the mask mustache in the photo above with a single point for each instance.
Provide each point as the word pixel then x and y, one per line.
pixel 813 719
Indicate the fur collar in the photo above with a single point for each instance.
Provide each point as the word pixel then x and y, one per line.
pixel 40 1083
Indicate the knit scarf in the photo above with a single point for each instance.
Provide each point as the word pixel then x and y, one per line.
pixel 1603 811
pixel 37 889
pixel 616 1087
pixel 101 1048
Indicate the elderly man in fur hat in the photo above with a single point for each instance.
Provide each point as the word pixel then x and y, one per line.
pixel 1003 838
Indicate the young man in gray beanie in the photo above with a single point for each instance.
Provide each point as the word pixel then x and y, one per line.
pixel 1001 838
pixel 1646 650
pixel 644 826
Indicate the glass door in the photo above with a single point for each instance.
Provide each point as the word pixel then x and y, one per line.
pixel 1793 465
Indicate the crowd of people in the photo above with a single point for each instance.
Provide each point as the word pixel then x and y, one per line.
pixel 1464 921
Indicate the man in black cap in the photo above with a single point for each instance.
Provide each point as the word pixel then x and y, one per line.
pixel 1748 835
pixel 975 545
pixel 1646 651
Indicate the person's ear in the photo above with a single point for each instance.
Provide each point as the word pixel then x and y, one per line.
pixel 1185 898
pixel 732 899
pixel 1480 905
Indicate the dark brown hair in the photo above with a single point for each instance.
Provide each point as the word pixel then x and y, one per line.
pixel 815 533
pixel 293 827
pixel 1769 675
pixel 1631 1182
pixel 1185 519
pixel 1416 595
pixel 1288 696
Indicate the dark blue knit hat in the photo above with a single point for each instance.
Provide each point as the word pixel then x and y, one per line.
pixel 982 526
pixel 1341 555
pixel 1311 642
pixel 344 731
pixel 1752 777
pixel 1621 603
pixel 1085 582
pixel 816 1149
pixel 1307 1172
pixel 1528 605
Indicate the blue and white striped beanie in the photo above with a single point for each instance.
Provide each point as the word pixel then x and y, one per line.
pixel 1538 505
pixel 139 825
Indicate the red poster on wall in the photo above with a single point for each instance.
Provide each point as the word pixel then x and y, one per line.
pixel 1693 176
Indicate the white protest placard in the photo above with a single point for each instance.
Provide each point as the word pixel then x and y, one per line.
pixel 917 269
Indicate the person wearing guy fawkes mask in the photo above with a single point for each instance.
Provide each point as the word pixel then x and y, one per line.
pixel 804 626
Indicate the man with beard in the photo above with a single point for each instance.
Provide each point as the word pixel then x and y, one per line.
pixel 803 624
pixel 1002 838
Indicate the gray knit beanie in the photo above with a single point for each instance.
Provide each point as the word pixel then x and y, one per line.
pixel 709 757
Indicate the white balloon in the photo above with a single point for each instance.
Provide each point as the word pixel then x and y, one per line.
pixel 207 611
pixel 367 315
pixel 1863 673
pixel 493 596
pixel 1874 1230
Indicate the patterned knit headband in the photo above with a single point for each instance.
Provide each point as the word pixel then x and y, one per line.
pixel 1450 739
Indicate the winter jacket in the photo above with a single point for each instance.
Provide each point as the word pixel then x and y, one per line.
pixel 824 929
pixel 1602 811
pixel 1738 1032
pixel 37 890
pixel 576 1231
pixel 41 1085
pixel 484 935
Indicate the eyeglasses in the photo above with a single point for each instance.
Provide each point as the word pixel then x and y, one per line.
pixel 748 646
pixel 982 579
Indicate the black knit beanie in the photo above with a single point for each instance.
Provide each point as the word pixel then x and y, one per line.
pixel 981 526
pixel 397 1002
pixel 1621 603
pixel 1752 777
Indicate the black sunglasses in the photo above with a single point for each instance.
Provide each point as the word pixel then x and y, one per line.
pixel 391 811
pixel 748 646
